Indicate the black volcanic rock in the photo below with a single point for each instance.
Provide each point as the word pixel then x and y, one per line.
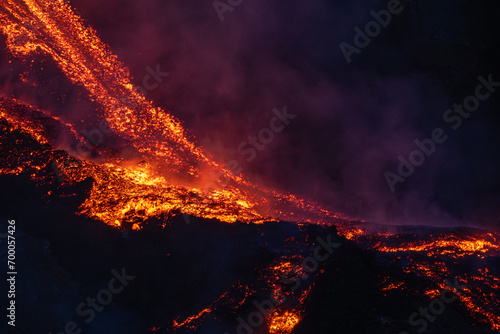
pixel 181 268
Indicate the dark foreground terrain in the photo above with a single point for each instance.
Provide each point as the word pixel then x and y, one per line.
pixel 166 274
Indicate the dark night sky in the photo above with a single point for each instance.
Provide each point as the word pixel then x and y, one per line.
pixel 353 120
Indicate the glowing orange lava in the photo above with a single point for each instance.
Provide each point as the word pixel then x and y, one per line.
pixel 170 174
pixel 283 323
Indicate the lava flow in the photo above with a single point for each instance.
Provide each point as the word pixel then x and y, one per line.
pixel 168 175
pixel 439 256
pixel 171 175
pixel 178 176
